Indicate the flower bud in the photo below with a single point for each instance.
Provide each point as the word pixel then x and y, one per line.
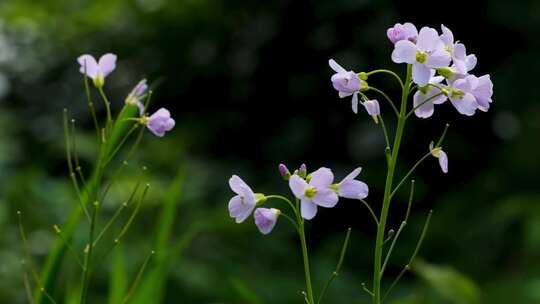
pixel 284 171
pixel 373 108
pixel 302 172
pixel 266 219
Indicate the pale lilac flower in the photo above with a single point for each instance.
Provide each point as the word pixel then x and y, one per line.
pixel 424 108
pixel 134 97
pixel 241 205
pixel 347 83
pixel 315 193
pixel 406 31
pixel 284 172
pixel 462 62
pixel 159 122
pixel 97 70
pixel 441 155
pixel 460 94
pixel 373 108
pixel 428 53
pixel 351 188
pixel 482 89
pixel 265 219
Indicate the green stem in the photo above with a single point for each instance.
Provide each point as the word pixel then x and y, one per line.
pixel 305 256
pixel 387 72
pixel 383 94
pixel 88 256
pixel 377 274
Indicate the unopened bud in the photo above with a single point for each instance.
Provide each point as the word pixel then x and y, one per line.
pixel 284 171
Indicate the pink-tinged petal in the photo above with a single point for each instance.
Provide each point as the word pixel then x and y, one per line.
pixel 298 186
pixel 459 51
pixel 426 109
pixel 428 39
pixel 483 92
pixel 265 219
pixel 447 36
pixel 107 63
pixel 353 189
pixel 411 33
pixel 404 52
pixel 308 209
pixel 421 74
pixel 462 84
pixel 336 67
pixel 325 197
pixel 238 185
pixel 344 94
pixel 160 122
pixel 89 65
pixel 322 178
pixel 470 62
pixel 438 59
pixel 355 103
pixel 372 107
pixel 239 209
pixel 466 105
pixel 353 174
pixel 443 161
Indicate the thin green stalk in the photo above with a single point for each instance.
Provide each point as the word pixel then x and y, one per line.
pixel 107 108
pixel 387 72
pixel 385 132
pixel 413 256
pixel 305 257
pixel 88 255
pixel 370 211
pixel 137 278
pixel 335 273
pixel 377 275
pixel 283 198
pixel 387 99
pixel 422 103
pixel 410 172
pixel 91 103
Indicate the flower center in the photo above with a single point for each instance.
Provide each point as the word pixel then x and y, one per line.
pixel 421 57
pixel 310 192
pixel 455 93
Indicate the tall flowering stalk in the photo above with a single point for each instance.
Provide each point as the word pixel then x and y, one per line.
pixel 431 59
pixel 92 186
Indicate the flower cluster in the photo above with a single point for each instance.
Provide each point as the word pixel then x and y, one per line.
pixel 434 58
pixel 312 190
pixel 97 70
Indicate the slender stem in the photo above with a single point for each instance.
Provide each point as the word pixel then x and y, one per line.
pixel 370 211
pixel 387 72
pixel 119 146
pixel 283 198
pixel 91 103
pixel 394 240
pixel 377 275
pixel 439 142
pixel 387 99
pixel 385 131
pixel 410 172
pixel 335 273
pixel 88 255
pixel 137 278
pixel 58 232
pixel 411 260
pixel 107 108
pixel 305 256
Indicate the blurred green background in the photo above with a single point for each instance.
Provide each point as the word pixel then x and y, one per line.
pixel 248 85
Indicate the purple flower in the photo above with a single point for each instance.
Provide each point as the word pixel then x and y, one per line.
pixel 241 205
pixel 159 122
pixel 351 188
pixel 302 171
pixel 460 94
pixel 482 89
pixel 426 109
pixel 97 70
pixel 373 108
pixel 315 193
pixel 406 31
pixel 428 53
pixel 346 83
pixel 441 155
pixel 284 172
pixel 266 219
pixel 134 97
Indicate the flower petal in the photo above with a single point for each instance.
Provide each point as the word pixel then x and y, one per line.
pixel 421 74
pixel 298 186
pixel 447 36
pixel 325 197
pixel 428 39
pixel 426 109
pixel 355 103
pixel 238 185
pixel 239 210
pixel 353 174
pixel 89 65
pixel 404 52
pixel 107 63
pixel 353 189
pixel 466 105
pixel 443 161
pixel 336 67
pixel 308 209
pixel 265 219
pixel 322 178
